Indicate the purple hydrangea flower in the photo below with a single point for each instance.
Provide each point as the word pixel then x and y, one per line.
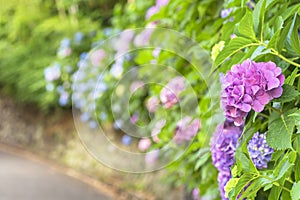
pixel 249 85
pixel 169 94
pixel 259 150
pixel 226 12
pixel 196 193
pixel 134 118
pixel 186 129
pixel 223 145
pixel 223 177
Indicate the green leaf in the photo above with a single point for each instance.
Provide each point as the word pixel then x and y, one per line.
pixel 258 15
pixel 256 185
pixel 275 190
pixel 292 36
pixel 245 26
pixel 259 51
pixel 273 43
pixel 230 185
pixel 288 94
pixel 202 159
pixel 291 79
pixel 297 169
pixel 284 165
pixel 295 193
pixel 279 135
pixel 234 46
pixel 243 181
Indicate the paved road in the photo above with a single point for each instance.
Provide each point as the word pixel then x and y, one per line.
pixel 22 179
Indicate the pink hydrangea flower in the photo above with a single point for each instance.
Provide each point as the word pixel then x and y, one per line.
pixel 157 129
pixel 249 85
pixel 144 144
pixel 169 94
pixel 97 56
pixel 151 157
pixel 186 129
pixel 152 104
pixel 136 85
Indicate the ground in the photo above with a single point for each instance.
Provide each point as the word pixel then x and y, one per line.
pixel 53 137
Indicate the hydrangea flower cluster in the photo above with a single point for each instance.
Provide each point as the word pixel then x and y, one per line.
pixel 186 129
pixel 223 145
pixel 259 150
pixel 64 50
pixel 249 85
pixel 169 94
pixel 154 9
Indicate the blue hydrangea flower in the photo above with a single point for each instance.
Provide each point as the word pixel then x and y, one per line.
pixel 259 150
pixel 78 37
pixel 93 124
pixel 126 140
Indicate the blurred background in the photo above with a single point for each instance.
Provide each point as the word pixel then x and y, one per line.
pixel 42 44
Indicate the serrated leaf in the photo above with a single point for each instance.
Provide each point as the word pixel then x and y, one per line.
pixel 288 94
pixel 234 46
pixel 279 135
pixel 245 26
pixel 295 193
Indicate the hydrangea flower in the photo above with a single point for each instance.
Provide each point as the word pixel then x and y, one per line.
pixel 157 129
pixel 151 157
pixel 169 94
pixel 152 104
pixel 223 177
pixel 52 73
pixel 78 36
pixel 259 150
pixel 186 129
pixel 195 194
pixel 144 144
pixel 134 118
pixel 154 9
pixel 136 85
pixel 126 140
pixel 97 56
pixel 223 145
pixel 93 124
pixel 226 12
pixel 249 85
